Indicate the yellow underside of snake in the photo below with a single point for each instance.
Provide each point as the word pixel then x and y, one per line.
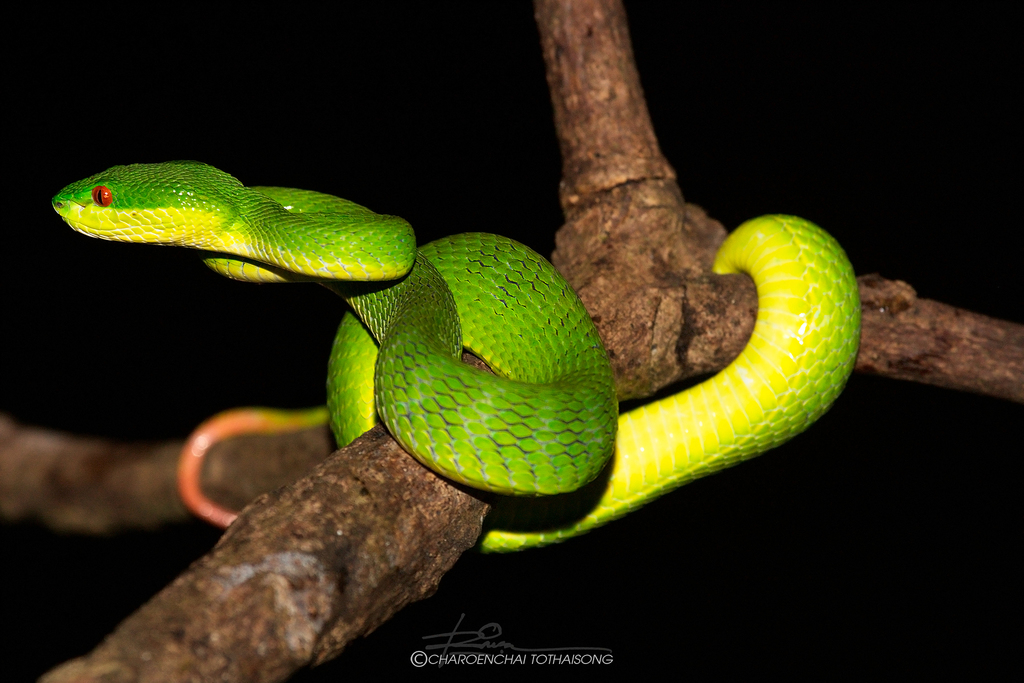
pixel 799 357
pixel 542 433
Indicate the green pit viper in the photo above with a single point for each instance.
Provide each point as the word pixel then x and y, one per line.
pixel 547 421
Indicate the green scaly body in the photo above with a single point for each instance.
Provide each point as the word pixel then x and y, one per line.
pixel 546 423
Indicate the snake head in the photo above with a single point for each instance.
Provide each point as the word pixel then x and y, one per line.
pixel 190 204
pixel 179 202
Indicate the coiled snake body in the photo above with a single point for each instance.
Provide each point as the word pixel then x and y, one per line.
pixel 546 422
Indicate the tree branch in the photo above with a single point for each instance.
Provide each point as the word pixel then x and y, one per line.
pixel 302 572
pixel 86 485
pixel 926 341
pixel 639 257
pixel 331 556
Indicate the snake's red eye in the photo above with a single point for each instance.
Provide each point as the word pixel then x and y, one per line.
pixel 102 195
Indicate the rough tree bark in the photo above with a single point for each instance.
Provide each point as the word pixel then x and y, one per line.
pixel 330 556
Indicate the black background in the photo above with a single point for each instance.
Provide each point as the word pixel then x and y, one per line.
pixel 884 539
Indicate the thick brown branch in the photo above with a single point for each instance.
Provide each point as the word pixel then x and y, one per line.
pixel 339 551
pixel 302 572
pixel 640 258
pixel 629 243
pixel 601 117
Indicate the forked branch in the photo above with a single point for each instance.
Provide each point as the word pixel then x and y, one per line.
pixel 332 555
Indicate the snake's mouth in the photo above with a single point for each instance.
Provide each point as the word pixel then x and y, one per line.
pixel 64 206
pixel 71 212
pixel 82 220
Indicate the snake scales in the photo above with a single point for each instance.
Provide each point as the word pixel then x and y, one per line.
pixel 547 422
